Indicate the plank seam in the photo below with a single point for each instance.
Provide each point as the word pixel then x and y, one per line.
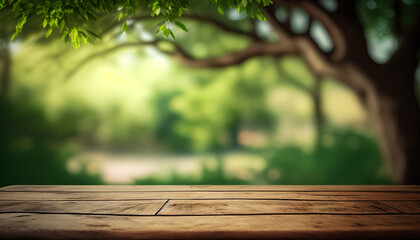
pixel 167 201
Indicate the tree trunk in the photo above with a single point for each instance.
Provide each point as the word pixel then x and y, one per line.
pixel 234 132
pixel 389 98
pixel 318 113
pixel 6 62
pixel 395 113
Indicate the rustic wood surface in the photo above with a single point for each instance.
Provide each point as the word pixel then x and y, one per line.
pixel 208 212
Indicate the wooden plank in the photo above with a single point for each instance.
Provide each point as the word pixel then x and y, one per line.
pixel 404 206
pixel 143 207
pixel 54 226
pixel 16 196
pixel 222 188
pixel 226 207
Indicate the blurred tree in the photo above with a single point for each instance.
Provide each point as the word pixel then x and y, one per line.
pixel 386 90
pixel 315 93
pixel 212 115
pixel 392 105
pixel 166 119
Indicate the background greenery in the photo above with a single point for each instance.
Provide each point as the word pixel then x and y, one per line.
pixel 139 117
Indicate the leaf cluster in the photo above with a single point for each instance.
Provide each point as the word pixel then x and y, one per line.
pixel 251 7
pixel 68 18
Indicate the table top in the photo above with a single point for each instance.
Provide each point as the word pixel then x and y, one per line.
pixel 209 212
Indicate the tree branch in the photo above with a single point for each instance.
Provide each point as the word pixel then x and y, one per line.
pixel 290 43
pixel 316 11
pixel 318 60
pixel 282 31
pixel 309 27
pixel 255 49
pixel 300 45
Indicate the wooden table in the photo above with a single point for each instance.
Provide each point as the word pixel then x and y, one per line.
pixel 197 212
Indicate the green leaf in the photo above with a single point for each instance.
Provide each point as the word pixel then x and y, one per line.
pixel 44 24
pixel 73 34
pixel 83 13
pixel 220 10
pixel 49 32
pixel 55 22
pixel 84 39
pixel 181 26
pixel 124 27
pixel 161 28
pixel 121 16
pixel 62 25
pixel 64 35
pixel 156 10
pixel 166 32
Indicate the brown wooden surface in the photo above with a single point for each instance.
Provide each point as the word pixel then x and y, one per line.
pixel 217 188
pixel 140 207
pixel 118 196
pixel 252 207
pixel 206 212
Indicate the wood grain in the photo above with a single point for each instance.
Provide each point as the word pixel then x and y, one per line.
pixel 53 226
pixel 220 188
pixel 143 207
pixel 225 207
pixel 321 196
pixel 404 206
pixel 209 212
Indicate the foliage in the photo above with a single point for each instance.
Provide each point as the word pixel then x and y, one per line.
pixel 70 18
pixel 385 17
pixel 208 176
pixel 32 151
pixel 347 158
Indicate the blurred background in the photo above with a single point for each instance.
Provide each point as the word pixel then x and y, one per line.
pixel 137 116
